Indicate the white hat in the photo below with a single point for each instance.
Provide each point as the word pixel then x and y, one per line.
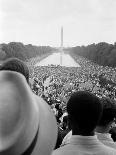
pixel 27 125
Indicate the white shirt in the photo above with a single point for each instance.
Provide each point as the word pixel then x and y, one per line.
pixel 84 145
pixel 67 138
pixel 106 139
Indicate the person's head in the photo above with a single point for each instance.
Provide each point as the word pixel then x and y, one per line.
pixel 17 65
pixel 108 115
pixel 84 111
pixel 65 122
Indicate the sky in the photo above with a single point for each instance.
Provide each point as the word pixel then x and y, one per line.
pixel 39 22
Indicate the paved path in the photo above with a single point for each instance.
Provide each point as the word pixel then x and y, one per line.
pixel 54 59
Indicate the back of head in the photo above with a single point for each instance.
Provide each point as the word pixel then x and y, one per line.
pixel 109 111
pixel 17 65
pixel 65 119
pixel 84 110
pixel 65 122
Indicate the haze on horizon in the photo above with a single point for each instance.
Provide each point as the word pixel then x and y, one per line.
pixel 39 22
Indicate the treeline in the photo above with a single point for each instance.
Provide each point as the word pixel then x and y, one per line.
pixel 101 53
pixel 21 51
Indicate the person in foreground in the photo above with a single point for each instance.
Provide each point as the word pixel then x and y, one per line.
pixel 27 124
pixel 84 111
pixel 17 65
pixel 107 122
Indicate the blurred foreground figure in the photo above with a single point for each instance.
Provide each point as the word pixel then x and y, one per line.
pixel 84 111
pixel 107 122
pixel 27 125
pixel 17 65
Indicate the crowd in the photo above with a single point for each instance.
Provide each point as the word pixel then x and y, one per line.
pixel 56 83
pixel 81 98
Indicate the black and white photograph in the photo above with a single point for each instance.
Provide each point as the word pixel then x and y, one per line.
pixel 57 77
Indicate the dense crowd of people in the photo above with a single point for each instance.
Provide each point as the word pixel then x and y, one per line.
pixel 82 99
pixel 56 83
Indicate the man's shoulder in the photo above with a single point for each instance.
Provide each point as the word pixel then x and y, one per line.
pixel 70 150
pixel 109 143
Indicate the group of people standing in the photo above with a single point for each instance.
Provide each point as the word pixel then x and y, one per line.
pixel 43 124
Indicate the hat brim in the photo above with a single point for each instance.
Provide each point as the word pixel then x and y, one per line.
pixel 47 135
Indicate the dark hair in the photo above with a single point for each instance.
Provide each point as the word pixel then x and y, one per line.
pixel 14 64
pixel 109 111
pixel 84 110
pixel 65 119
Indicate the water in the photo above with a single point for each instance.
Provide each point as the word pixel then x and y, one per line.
pixel 54 59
